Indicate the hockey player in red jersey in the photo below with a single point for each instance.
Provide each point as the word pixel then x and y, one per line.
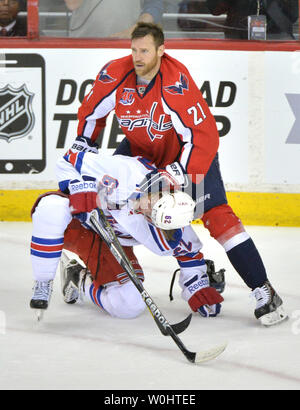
pixel 165 118
pixel 155 119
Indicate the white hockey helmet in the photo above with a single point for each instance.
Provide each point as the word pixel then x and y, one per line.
pixel 173 210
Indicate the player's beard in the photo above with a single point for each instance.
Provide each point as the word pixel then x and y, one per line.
pixel 146 69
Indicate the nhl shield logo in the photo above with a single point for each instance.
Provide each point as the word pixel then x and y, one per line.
pixel 16 114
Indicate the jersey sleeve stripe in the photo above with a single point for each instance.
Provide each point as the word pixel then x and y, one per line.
pixel 45 241
pixel 158 239
pixel 185 134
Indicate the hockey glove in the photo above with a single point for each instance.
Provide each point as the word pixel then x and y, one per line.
pixel 169 179
pixel 84 218
pixel 83 144
pixel 177 173
pixel 200 296
pixel 83 195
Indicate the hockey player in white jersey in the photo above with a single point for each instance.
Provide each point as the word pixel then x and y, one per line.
pixel 160 221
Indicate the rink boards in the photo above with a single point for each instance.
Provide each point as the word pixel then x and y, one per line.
pixel 254 208
pixel 254 96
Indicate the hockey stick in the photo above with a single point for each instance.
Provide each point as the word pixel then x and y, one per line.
pixel 104 229
pixel 106 232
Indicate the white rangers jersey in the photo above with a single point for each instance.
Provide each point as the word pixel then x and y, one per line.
pixel 119 177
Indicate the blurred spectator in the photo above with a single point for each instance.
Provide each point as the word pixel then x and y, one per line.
pixel 23 5
pixel 10 24
pixel 103 18
pixel 280 15
pixel 192 7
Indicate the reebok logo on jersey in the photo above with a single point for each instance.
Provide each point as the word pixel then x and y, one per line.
pixel 198 285
pixel 83 187
pixel 179 87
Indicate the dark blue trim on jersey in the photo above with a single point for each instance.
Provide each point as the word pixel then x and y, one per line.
pixel 152 229
pixel 148 88
pixel 79 159
pixel 44 241
pixel 182 143
pixel 123 148
pixel 147 164
pixel 47 255
pixel 97 295
pixel 64 186
pixel 191 264
pixel 189 282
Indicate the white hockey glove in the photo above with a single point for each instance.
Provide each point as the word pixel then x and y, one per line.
pixel 177 173
pixel 197 291
pixel 164 179
pixel 83 144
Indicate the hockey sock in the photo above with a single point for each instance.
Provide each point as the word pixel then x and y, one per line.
pixel 50 219
pixel 45 255
pixel 95 295
pixel 246 260
pixel 122 301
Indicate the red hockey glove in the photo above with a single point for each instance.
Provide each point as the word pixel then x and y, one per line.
pixel 199 294
pixel 206 301
pixel 83 194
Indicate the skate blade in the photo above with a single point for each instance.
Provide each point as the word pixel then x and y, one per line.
pixel 274 318
pixel 39 314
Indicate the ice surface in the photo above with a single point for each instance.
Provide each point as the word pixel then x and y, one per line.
pixel 79 347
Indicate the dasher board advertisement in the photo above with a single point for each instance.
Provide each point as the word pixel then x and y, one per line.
pixel 54 82
pixel 22 114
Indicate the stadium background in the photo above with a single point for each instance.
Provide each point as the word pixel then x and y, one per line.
pixel 252 87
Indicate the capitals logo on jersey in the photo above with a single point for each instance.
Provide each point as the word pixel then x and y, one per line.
pixel 154 126
pixel 104 77
pixel 179 87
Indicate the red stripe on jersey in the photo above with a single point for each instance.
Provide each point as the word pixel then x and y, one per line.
pixel 73 158
pixel 47 248
pixel 161 237
pixel 95 297
pixel 199 256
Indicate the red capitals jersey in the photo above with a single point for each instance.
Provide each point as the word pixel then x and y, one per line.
pixel 169 121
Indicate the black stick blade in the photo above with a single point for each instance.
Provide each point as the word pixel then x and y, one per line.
pixel 177 327
pixel 181 326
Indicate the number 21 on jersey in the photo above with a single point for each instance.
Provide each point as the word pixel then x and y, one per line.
pixel 198 113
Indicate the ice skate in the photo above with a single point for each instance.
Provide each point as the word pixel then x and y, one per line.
pixel 42 292
pixel 216 279
pixel 269 309
pixel 72 275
